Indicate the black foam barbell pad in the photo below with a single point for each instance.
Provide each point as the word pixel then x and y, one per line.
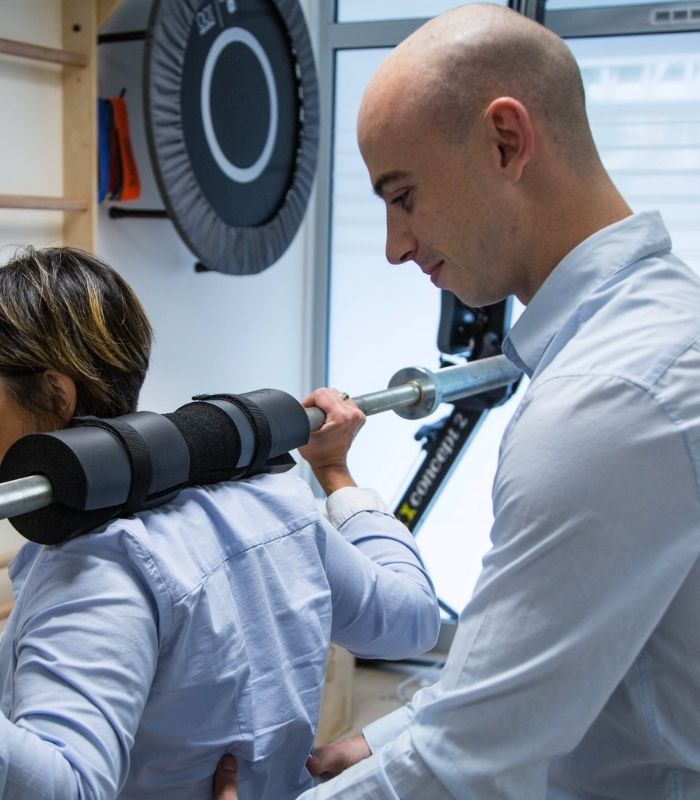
pixel 90 471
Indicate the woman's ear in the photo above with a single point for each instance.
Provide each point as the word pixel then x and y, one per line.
pixel 61 391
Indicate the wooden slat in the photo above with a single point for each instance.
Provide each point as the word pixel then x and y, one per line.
pixel 6 609
pixel 336 704
pixel 5 559
pixel 23 201
pixel 80 122
pixel 11 47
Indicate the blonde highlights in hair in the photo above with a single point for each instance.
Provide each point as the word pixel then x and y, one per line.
pixel 64 309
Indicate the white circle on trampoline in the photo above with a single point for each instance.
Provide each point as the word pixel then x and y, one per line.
pixel 239 174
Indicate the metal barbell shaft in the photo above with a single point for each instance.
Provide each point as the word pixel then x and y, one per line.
pixel 416 392
pixel 413 392
pixel 374 403
pixel 25 494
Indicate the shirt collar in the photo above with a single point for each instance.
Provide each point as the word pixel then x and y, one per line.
pixel 589 264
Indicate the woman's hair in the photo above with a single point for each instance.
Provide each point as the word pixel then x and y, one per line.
pixel 64 309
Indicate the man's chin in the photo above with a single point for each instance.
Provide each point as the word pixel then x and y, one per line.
pixel 476 299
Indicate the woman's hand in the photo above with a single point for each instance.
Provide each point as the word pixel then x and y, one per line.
pixel 328 447
pixel 226 779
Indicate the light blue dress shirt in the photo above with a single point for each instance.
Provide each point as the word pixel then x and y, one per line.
pixel 137 656
pixel 575 669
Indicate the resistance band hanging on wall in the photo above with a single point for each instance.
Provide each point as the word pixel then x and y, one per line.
pixel 118 174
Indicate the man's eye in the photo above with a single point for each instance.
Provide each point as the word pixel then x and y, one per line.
pixel 401 200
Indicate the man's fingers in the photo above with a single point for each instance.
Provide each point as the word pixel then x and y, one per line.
pixel 332 759
pixel 226 779
pixel 326 760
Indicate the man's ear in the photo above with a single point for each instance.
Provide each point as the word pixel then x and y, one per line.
pixel 512 134
pixel 62 392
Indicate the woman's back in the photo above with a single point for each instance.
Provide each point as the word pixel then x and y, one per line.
pixel 241 666
pixel 145 652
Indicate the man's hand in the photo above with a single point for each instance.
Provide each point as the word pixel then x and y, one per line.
pixel 328 447
pixel 331 759
pixel 226 779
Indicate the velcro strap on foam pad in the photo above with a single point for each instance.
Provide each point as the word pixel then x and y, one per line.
pixel 258 422
pixel 139 458
pixel 212 439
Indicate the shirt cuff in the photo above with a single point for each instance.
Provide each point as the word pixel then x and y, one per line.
pixel 387 728
pixel 396 773
pixel 350 500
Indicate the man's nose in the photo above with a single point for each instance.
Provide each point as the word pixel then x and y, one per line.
pixel 401 244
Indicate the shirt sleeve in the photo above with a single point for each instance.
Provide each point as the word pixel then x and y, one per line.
pixel 384 604
pixel 86 650
pixel 387 728
pixel 596 509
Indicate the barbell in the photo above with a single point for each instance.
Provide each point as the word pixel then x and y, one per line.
pixel 98 445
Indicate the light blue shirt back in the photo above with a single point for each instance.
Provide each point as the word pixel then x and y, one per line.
pixel 138 655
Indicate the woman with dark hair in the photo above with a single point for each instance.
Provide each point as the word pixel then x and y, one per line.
pixel 73 340
pixel 137 655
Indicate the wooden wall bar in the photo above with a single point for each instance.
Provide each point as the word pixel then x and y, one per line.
pixel 80 123
pixel 10 47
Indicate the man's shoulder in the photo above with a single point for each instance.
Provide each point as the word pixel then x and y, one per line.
pixel 637 326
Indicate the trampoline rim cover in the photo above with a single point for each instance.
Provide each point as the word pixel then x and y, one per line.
pixel 220 246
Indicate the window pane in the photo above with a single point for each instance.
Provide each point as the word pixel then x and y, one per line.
pixel 643 99
pixel 643 96
pixel 569 5
pixel 365 10
pixel 382 318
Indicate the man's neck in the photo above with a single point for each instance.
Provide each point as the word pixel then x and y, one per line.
pixel 568 219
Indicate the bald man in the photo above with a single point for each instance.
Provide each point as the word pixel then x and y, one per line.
pixel 575 668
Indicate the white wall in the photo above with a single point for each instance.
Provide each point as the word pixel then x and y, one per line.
pixel 214 332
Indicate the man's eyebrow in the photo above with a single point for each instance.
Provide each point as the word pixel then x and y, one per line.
pixel 387 177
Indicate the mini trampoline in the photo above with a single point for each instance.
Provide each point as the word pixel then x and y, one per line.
pixel 231 108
